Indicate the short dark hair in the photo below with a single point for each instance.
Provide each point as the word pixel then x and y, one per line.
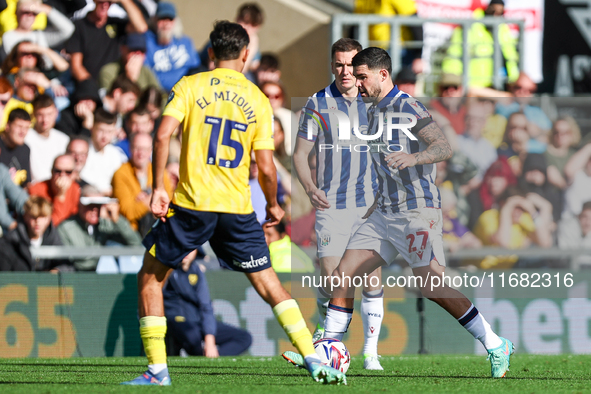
pixel 345 45
pixel 374 58
pixel 251 14
pixel 139 110
pixel 18 113
pixel 269 61
pixel 227 40
pixel 101 115
pixel 42 101
pixel 126 85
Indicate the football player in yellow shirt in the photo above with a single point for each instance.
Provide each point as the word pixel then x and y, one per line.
pixel 223 118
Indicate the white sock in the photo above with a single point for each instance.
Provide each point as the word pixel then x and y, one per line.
pixel 156 368
pixel 372 314
pixel 322 300
pixel 337 321
pixel 476 324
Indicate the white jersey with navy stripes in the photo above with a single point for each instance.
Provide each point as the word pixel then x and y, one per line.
pixel 346 176
pixel 412 187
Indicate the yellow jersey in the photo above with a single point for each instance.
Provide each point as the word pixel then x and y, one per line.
pixel 224 117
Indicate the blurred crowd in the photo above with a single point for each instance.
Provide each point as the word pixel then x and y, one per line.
pixel 83 84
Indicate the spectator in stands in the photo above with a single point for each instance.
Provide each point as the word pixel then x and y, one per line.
pixel 153 100
pixel 564 137
pixel 168 56
pixel 132 184
pixel 78 118
pixel 497 179
pixel 6 92
pixel 534 179
pixel 14 153
pixel 515 142
pixel 190 316
pixel 121 98
pixel 61 189
pixel 279 140
pixel 138 121
pixel 103 158
pixel 33 230
pixel 257 197
pixel 406 80
pixel 250 17
pixel 472 144
pixel 459 175
pixel 26 11
pixel 450 103
pixel 512 225
pixel 523 90
pixel 575 232
pixel 380 33
pixel 29 55
pixel 25 90
pixel 286 256
pixel 268 70
pixel 130 65
pixel 97 223
pixel 274 91
pixel 578 174
pixel 46 143
pixel 456 236
pixel 96 40
pixel 78 148
pixel 12 199
pixel 481 49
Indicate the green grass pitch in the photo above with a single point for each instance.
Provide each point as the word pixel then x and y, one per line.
pixel 404 374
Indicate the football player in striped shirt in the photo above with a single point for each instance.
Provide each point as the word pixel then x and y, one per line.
pixel 224 118
pixel 344 189
pixel 407 217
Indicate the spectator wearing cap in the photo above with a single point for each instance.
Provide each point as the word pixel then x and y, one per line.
pixel 168 56
pixel 46 143
pixel 61 189
pixel 406 80
pixel 78 118
pixel 130 65
pixel 96 40
pixel 97 223
pixel 450 103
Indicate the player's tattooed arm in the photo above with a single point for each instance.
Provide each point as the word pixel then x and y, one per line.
pixel 438 148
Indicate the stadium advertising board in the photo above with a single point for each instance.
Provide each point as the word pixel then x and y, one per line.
pixel 44 315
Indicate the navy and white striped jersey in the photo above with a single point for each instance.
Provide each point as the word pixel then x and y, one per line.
pixel 412 187
pixel 346 175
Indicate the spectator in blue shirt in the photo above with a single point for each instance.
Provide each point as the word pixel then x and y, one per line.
pixel 190 317
pixel 168 56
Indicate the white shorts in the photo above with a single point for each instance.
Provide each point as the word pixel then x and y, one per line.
pixel 416 235
pixel 334 228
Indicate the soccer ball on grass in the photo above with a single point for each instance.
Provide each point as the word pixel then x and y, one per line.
pixel 333 353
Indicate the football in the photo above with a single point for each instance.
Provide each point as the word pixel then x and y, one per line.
pixel 334 353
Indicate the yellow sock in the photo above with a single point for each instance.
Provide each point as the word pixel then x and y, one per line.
pixel 153 331
pixel 289 316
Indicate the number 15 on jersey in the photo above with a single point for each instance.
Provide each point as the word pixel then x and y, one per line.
pixel 216 127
